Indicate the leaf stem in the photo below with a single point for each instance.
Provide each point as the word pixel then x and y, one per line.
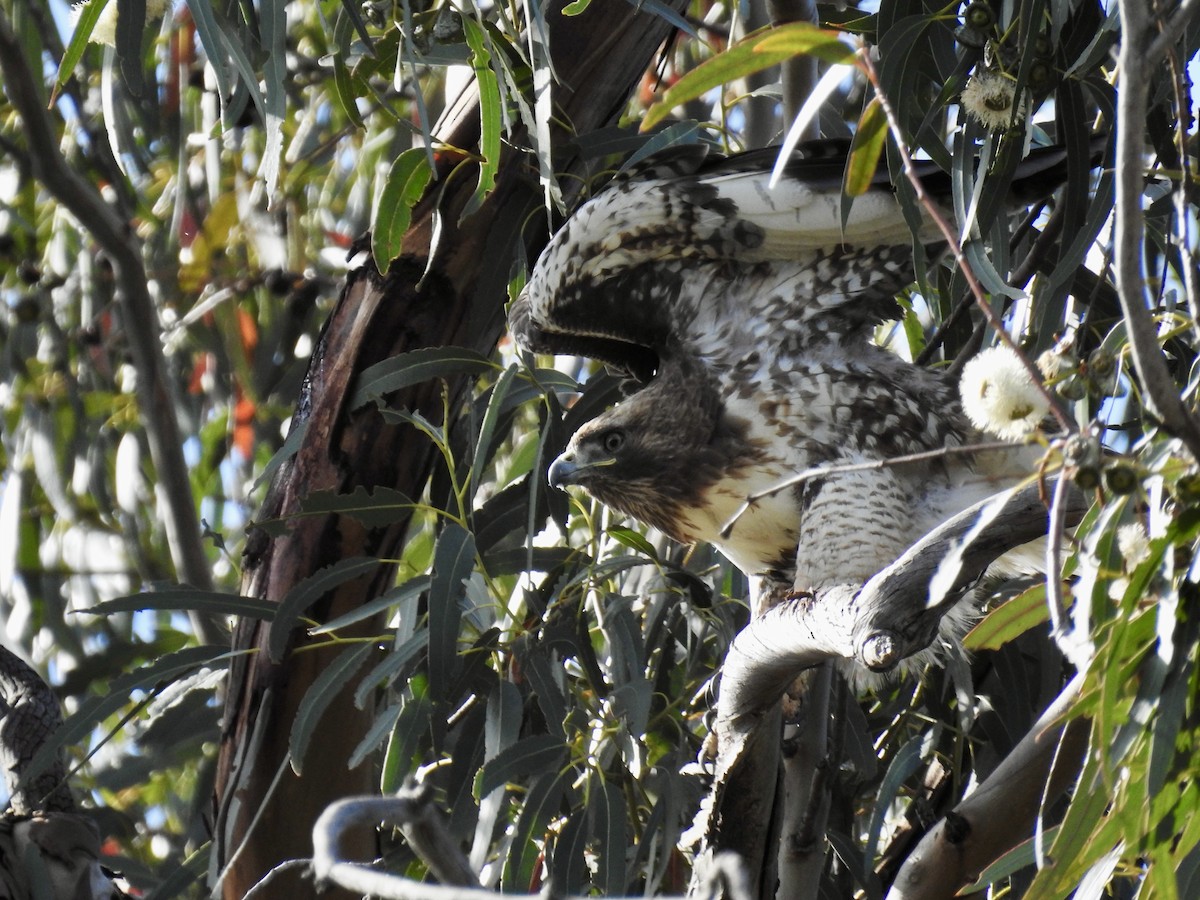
pixel 935 215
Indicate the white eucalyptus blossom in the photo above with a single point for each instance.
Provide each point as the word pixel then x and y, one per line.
pixel 1133 544
pixel 990 97
pixel 999 396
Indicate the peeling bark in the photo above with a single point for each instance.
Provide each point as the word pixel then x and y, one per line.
pixel 599 57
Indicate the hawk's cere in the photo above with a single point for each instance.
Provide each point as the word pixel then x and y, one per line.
pixel 747 311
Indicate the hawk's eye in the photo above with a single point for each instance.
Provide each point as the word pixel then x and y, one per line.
pixel 613 441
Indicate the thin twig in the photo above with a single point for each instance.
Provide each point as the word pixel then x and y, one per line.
pixel 1171 33
pixel 825 471
pixel 1066 423
pixel 1183 217
pixel 139 318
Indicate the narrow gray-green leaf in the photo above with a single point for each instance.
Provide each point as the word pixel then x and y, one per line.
pixel 404 186
pixel 89 14
pixel 543 801
pixel 214 42
pixel 272 23
pixel 93 710
pixel 904 763
pixel 308 592
pixel 376 735
pixel 606 810
pixel 453 562
pixel 376 509
pixel 532 755
pixel 186 599
pixel 131 30
pixel 329 684
pixel 678 135
pixel 407 369
pixel 353 11
pixel 488 427
pixel 396 595
pixel 490 113
pixel 388 669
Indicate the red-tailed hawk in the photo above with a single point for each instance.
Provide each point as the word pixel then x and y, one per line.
pixel 747 312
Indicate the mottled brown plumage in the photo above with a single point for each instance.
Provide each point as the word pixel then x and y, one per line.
pixel 747 310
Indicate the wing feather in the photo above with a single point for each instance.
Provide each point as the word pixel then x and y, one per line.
pixel 651 263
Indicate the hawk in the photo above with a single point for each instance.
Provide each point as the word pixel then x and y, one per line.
pixel 746 312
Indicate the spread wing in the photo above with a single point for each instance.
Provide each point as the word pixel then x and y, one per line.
pixel 644 264
pixel 664 253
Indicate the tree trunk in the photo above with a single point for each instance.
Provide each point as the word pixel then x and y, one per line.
pixel 266 811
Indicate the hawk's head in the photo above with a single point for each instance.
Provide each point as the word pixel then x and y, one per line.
pixel 654 455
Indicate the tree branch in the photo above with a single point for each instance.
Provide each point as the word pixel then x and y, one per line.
pixel 1138 55
pixel 1000 813
pixel 139 317
pixel 895 614
pixel 412 811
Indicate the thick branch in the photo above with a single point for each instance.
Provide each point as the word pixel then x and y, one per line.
pixel 1000 813
pixel 455 299
pixel 892 616
pixel 411 811
pixel 1138 56
pixel 81 198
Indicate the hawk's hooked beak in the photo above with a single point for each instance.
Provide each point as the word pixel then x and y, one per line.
pixel 563 471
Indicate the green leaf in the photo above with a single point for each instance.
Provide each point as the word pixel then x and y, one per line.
pixel 411 727
pixel 549 696
pixel 94 710
pixel 529 756
pixel 905 762
pixel 1010 621
pixel 395 596
pixel 89 14
pixel 346 91
pixel 757 52
pixel 453 562
pixel 490 113
pixel 411 368
pixel 569 864
pixel 328 686
pixel 308 592
pixel 131 29
pixel 405 185
pixel 272 25
pixel 1010 863
pixel 385 672
pixel 606 813
pixel 353 12
pixel 634 540
pixel 379 731
pixel 542 803
pixel 187 599
pixel 866 150
pixel 376 508
pixel 483 444
pixel 681 134
pixel 214 43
